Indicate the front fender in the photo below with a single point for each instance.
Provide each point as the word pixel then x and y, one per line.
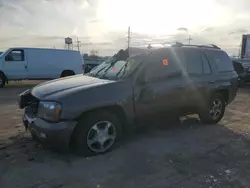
pixel 119 94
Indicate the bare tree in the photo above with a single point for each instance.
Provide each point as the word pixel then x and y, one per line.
pixel 94 53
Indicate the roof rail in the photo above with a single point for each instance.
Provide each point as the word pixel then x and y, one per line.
pixel 179 44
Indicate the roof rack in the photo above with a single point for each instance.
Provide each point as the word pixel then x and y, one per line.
pixel 179 44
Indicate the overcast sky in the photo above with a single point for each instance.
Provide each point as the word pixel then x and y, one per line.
pixel 104 23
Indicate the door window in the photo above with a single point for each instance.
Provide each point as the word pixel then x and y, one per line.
pixel 194 63
pixel 15 55
pixel 205 65
pixel 163 63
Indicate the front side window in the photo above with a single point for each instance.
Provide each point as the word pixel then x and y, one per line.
pixel 162 64
pixel 15 55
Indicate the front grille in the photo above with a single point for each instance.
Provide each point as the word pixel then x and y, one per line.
pixel 33 104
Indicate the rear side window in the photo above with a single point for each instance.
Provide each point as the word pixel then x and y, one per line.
pixel 221 60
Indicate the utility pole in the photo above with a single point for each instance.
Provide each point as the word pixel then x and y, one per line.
pixel 239 53
pixel 129 41
pixel 189 39
pixel 78 44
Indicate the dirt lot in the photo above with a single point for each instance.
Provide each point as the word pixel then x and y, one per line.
pixel 189 155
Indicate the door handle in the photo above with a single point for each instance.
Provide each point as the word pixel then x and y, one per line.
pixel 211 82
pixel 25 66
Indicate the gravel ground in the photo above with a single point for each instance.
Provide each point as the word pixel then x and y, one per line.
pixel 188 155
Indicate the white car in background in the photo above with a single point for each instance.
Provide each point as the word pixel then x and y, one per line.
pixel 38 64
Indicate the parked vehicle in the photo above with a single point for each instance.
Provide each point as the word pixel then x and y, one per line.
pixel 91 113
pixel 38 63
pixel 89 64
pixel 242 67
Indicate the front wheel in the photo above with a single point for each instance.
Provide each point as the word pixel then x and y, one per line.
pixel 2 81
pixel 214 111
pixel 97 133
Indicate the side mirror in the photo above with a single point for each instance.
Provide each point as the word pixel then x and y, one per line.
pixel 8 58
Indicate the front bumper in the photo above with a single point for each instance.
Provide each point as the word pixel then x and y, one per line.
pixel 56 135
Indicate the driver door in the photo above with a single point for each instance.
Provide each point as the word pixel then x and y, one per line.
pixel 15 65
pixel 162 89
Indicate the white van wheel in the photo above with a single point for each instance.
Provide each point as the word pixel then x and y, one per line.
pixel 2 81
pixel 67 73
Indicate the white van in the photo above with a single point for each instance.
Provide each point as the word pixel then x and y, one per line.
pixel 38 63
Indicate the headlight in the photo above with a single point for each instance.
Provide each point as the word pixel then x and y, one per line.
pixel 49 110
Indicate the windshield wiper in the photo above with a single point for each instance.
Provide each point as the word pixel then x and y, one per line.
pixel 99 71
pixel 123 68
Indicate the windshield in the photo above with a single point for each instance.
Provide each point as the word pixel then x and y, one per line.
pixel 116 69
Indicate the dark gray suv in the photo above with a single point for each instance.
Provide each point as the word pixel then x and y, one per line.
pixel 91 112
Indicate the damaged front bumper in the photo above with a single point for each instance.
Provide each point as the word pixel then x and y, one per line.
pixel 56 135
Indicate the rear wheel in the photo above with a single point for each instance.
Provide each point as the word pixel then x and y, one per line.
pixel 67 73
pixel 214 111
pixel 97 133
pixel 2 81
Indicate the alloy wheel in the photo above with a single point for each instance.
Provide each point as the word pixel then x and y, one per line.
pixel 101 136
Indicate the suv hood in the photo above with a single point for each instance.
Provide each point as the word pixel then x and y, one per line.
pixel 62 85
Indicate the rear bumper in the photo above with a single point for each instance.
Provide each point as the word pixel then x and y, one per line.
pixel 245 77
pixel 56 135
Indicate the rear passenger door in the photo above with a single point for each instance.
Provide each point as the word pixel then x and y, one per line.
pixel 198 78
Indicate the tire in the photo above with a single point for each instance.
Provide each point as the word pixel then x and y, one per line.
pixel 206 115
pixel 85 130
pixel 2 81
pixel 241 83
pixel 67 73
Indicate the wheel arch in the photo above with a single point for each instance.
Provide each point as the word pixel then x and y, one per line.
pixel 67 71
pixel 4 75
pixel 224 93
pixel 114 109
